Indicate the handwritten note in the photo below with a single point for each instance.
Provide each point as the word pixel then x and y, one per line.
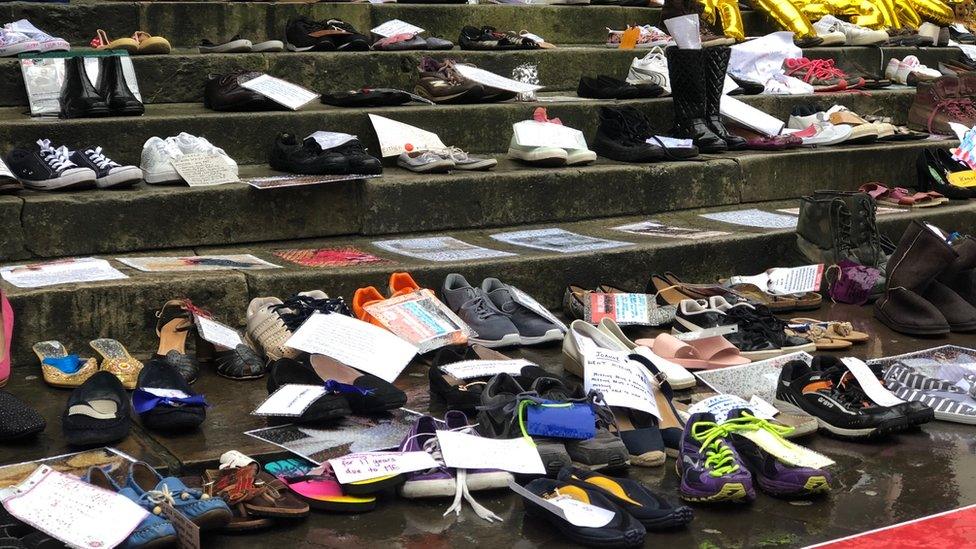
pixel 280 91
pixel 395 27
pixel 486 78
pixel 464 451
pixel 394 137
pixel 290 400
pixel 572 510
pixel 546 134
pixel 217 333
pixel 363 466
pixel 622 381
pixel 187 532
pixel 470 369
pixel 204 169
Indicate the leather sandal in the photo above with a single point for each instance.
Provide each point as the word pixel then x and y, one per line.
pixel 174 324
pixel 835 329
pixel 260 494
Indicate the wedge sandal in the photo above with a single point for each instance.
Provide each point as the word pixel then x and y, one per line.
pixel 117 361
pixel 61 369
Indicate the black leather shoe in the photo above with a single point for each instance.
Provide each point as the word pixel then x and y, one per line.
pixel 17 419
pixel 115 90
pixel 933 167
pixel 79 98
pixel 97 412
pixel 225 93
pixel 162 413
pixel 329 406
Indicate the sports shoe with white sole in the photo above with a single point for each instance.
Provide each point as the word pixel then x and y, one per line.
pixel 855 35
pixel 15 43
pixel 191 144
pixel 539 156
pixel 267 330
pixel 109 173
pixel 493 327
pixel 424 162
pixel 45 169
pixel 45 41
pixel 578 157
pixel 464 161
pixel 268 46
pixel 652 68
pixel 533 327
pixel 157 166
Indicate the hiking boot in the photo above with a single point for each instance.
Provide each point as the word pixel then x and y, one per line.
pixel 822 230
pixel 863 238
pixel 939 102
pixel 688 90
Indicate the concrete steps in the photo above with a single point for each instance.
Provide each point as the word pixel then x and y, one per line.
pixel 124 309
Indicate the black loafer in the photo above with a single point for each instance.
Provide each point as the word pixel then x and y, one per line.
pixel 97 412
pixel 366 393
pixel 329 406
pixel 17 419
pixel 162 413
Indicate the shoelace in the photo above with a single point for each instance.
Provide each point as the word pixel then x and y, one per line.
pixel 483 308
pixel 454 153
pixel 749 422
pixel 955 108
pixel 158 497
pixel 819 69
pixel 719 458
pixel 432 446
pixel 54 157
pixel 100 159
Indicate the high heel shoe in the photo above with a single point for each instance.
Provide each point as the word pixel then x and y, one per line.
pixel 174 324
pixel 241 362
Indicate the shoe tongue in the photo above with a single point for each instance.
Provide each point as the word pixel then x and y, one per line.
pixel 22 26
pixel 739 412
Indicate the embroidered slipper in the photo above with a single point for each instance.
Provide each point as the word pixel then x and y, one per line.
pixel 151 45
pixel 61 369
pixel 117 360
pixel 102 42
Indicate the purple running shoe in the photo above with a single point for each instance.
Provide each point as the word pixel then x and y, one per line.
pixel 709 467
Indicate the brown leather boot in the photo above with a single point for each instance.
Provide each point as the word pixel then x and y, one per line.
pixel 961 277
pixel 939 102
pixel 920 257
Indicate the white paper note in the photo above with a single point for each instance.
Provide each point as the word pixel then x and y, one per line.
pixel 464 451
pixel 329 140
pixel 280 91
pixel 720 406
pixel 218 333
pixel 557 240
pixel 204 169
pixel 165 393
pixel 785 281
pixel 66 271
pixel 546 134
pixel 438 248
pixel 572 510
pixel 73 511
pixel 363 466
pixel 290 400
pixel 470 369
pixel 869 382
pixel 355 343
pixel 622 381
pixel 395 27
pixel 395 136
pixel 491 79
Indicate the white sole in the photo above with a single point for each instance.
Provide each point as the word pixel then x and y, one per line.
pixel 128 176
pixel 444 488
pixel 268 47
pixel 543 158
pixel 789 407
pixel 477 166
pixel 17 49
pixel 551 335
pixel 487 481
pixel 580 157
pixel 292 47
pixel 510 340
pixel 682 383
pixel 237 46
pixel 440 166
pixel 955 418
pixel 82 178
pixel 158 178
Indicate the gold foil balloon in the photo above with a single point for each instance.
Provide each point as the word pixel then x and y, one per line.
pixel 907 14
pixel 788 16
pixel 732 19
pixel 934 11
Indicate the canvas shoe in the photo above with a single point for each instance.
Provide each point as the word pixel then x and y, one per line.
pixel 708 465
pixel 540 156
pixel 153 531
pixel 533 328
pixel 45 41
pixel 45 169
pixel 157 161
pixel 493 327
pixel 424 162
pixel 109 173
pixel 910 71
pixel 854 35
pixel 652 68
pixel 464 161
pixel 191 144
pixel 15 43
pixel 267 329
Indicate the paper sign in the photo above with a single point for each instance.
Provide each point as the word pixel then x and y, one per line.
pixel 625 309
pixel 438 248
pixel 204 169
pixel 785 281
pixel 421 319
pixel 670 142
pixel 395 27
pixel 165 393
pixel 356 467
pixel 395 136
pixel 653 228
pixel 282 181
pixel 528 301
pixel 64 271
pixel 280 91
pixel 187 532
pixel 869 383
pixel 464 451
pixel 290 400
pixel 965 178
pixel 623 382
pixel 546 134
pixel 5 172
pixel 493 80
pixel 330 140
pixel 73 511
pixel 470 369
pixel 754 218
pixel 571 510
pixel 720 406
pixel 557 240
pixel 355 343
pixel 708 332
pixel 217 333
pixel 762 408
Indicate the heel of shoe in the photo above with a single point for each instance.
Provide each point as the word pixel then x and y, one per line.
pixel 206 352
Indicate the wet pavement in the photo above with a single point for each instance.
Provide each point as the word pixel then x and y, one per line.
pixel 875 484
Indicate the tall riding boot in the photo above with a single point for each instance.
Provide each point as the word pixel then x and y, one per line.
pixel 716 63
pixel 113 87
pixel 687 72
pixel 920 257
pixel 79 98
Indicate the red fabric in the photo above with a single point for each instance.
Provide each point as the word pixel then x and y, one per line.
pixel 955 529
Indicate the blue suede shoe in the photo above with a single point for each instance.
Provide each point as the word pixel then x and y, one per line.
pixel 206 512
pixel 154 531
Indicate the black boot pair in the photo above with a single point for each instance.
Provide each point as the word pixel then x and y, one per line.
pixel 697 77
pixel 110 97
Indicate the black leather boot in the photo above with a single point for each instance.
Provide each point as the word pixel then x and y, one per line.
pixel 716 63
pixel 79 98
pixel 687 71
pixel 113 87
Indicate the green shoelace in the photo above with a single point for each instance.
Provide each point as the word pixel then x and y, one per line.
pixel 719 459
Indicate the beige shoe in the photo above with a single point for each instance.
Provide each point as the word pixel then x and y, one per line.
pixel 266 331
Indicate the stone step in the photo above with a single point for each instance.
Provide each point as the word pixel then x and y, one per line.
pixel 247 137
pixel 180 76
pixel 124 309
pixel 38 224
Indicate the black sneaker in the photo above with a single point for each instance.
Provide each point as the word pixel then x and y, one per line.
pixel 607 87
pixel 804 390
pixel 109 174
pixel 623 133
pixel 696 315
pixel 44 168
pixel 465 394
pixel 916 412
pixel 288 154
pixel 343 36
pixel 304 34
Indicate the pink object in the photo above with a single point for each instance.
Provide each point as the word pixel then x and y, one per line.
pixel 8 333
pixel 394 39
pixel 698 354
pixel 540 115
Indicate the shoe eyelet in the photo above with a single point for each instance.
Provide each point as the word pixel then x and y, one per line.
pixel 157 510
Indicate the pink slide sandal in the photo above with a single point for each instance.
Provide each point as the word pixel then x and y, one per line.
pixel 699 354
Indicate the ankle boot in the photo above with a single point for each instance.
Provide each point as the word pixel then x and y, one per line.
pixel 959 312
pixel 716 63
pixel 822 230
pixel 921 256
pixel 114 88
pixel 961 278
pixel 687 72
pixel 864 238
pixel 79 98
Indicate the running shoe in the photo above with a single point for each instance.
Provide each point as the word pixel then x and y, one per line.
pixel 710 468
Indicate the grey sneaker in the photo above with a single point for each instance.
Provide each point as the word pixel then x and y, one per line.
pixel 424 162
pixel 497 418
pixel 603 451
pixel 533 328
pixel 494 328
pixel 465 161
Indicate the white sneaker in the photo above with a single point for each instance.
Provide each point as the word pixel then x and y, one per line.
pixel 539 156
pixel 796 122
pixel 190 144
pixel 157 166
pixel 45 41
pixel 15 43
pixel 909 71
pixel 822 133
pixel 652 68
pixel 855 35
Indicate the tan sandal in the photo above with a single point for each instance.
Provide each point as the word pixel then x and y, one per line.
pixel 818 336
pixel 117 361
pixel 151 45
pixel 52 354
pixel 836 329
pixel 102 42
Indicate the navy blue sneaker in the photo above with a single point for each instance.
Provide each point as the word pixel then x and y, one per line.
pixel 153 531
pixel 206 512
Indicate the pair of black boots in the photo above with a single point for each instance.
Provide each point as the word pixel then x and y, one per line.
pixel 697 77
pixel 110 97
